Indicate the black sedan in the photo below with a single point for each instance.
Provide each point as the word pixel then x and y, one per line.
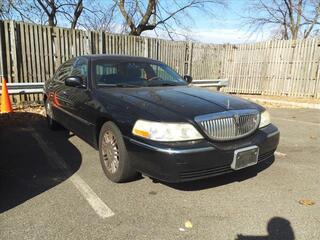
pixel 143 117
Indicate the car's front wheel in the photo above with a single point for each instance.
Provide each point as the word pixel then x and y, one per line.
pixel 113 154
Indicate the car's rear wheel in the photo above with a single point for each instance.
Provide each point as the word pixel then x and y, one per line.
pixel 52 124
pixel 113 154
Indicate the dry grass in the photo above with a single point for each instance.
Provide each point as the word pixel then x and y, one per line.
pixel 32 109
pixel 22 116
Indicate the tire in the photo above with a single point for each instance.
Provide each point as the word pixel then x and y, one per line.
pixel 52 124
pixel 113 154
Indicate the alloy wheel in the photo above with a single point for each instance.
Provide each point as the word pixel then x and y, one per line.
pixel 110 152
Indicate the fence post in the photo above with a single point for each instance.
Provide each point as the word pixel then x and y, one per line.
pixel 56 47
pixel 88 42
pixel 316 92
pixel 14 51
pixel 189 57
pixel 157 49
pixel 100 42
pixel 146 47
pixel 1 51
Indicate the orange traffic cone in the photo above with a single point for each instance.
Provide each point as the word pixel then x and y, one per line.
pixel 5 100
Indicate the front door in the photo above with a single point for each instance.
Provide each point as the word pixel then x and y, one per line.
pixel 79 102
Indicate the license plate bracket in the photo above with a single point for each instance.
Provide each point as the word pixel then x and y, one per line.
pixel 245 157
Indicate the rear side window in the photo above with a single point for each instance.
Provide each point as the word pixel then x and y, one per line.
pixel 80 69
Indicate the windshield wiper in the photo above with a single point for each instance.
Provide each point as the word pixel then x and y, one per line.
pixel 120 85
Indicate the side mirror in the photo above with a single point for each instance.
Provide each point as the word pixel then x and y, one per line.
pixel 73 81
pixel 188 78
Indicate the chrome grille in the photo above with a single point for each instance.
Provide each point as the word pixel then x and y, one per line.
pixel 229 125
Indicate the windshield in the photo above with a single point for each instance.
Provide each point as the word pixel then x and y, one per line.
pixel 134 74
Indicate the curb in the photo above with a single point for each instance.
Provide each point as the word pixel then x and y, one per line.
pixel 295 104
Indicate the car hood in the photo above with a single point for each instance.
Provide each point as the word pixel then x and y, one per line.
pixel 183 100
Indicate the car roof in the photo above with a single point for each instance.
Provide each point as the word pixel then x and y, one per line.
pixel 122 58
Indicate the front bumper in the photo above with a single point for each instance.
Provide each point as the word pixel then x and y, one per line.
pixel 195 160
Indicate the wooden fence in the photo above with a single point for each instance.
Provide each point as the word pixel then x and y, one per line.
pixel 274 68
pixel 31 53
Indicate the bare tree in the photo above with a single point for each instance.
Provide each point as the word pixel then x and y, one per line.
pixel 44 11
pixel 76 14
pixel 130 16
pixel 99 17
pixel 140 16
pixel 50 8
pixel 2 10
pixel 70 9
pixel 288 19
pixel 16 9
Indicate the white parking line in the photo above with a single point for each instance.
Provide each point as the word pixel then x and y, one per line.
pixel 298 121
pixel 95 202
pixel 92 198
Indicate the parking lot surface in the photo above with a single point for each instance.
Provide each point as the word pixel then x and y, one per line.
pixel 52 187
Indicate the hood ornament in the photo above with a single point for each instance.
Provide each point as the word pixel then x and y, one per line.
pixel 228 104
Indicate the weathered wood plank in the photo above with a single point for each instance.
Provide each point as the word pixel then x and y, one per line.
pixel 2 50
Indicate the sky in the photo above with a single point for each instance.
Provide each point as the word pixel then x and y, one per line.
pixel 224 27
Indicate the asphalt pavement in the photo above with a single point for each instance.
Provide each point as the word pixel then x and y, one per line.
pixel 52 187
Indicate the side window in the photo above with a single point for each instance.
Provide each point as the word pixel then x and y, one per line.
pixel 105 69
pixel 80 68
pixel 63 71
pixel 106 73
pixel 160 72
pixel 134 72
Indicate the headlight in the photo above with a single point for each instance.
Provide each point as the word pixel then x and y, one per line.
pixel 265 119
pixel 165 132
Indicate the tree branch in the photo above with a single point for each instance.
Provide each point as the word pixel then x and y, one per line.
pixel 77 12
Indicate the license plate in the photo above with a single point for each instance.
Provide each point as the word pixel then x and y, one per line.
pixel 245 157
